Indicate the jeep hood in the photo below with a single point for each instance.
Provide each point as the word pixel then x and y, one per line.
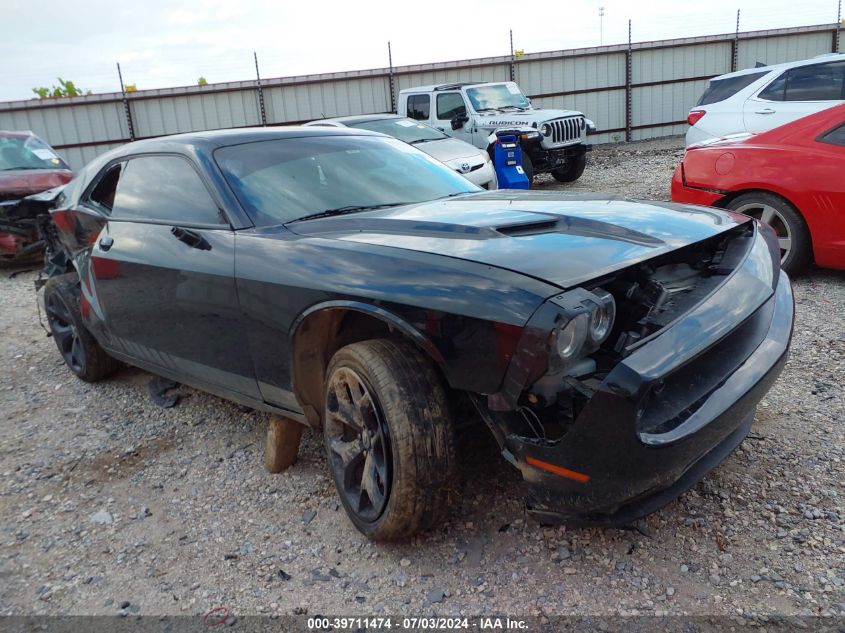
pixel 562 239
pixel 515 118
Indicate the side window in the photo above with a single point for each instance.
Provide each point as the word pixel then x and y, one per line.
pixel 835 137
pixel 419 107
pixel 775 90
pixel 166 189
pixel 450 104
pixel 102 195
pixel 819 82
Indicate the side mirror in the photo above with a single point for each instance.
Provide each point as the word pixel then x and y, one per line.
pixel 458 121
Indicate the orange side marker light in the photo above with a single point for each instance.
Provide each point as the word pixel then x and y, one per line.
pixel 558 470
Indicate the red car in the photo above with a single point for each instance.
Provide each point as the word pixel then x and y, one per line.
pixel 27 166
pixel 791 178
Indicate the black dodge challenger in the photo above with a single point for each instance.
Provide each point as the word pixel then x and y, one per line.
pixel 616 349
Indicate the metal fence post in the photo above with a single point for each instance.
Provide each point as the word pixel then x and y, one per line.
pixel 391 81
pixel 513 59
pixel 126 109
pixel 261 111
pixel 629 55
pixel 735 46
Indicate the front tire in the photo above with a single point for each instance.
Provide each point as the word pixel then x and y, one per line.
pixel 389 438
pixel 796 247
pixel 528 168
pixel 572 171
pixel 80 351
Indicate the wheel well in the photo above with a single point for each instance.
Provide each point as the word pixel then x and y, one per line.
pixel 315 341
pixel 722 203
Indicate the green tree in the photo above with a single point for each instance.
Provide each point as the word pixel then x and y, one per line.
pixel 64 89
pixel 202 81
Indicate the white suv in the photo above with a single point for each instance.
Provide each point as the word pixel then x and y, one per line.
pixel 760 99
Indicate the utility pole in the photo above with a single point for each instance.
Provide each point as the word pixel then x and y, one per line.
pixel 629 58
pixel 261 111
pixel 735 47
pixel 513 59
pixel 838 27
pixel 126 109
pixel 601 26
pixel 391 79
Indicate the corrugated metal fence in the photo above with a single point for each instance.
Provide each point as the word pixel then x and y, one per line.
pixel 632 92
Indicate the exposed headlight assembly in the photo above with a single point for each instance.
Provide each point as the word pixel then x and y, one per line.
pixel 546 129
pixel 586 322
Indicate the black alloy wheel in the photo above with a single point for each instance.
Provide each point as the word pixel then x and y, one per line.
pixel 65 333
pixel 359 444
pixel 78 347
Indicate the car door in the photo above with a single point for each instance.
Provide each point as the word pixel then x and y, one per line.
pixel 795 93
pixel 163 274
pixel 448 106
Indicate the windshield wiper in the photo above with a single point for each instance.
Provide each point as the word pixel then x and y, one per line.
pixel 487 109
pixel 422 140
pixel 520 108
pixel 22 167
pixel 348 209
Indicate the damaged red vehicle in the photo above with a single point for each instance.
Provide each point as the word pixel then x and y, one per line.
pixel 28 166
pixel 789 178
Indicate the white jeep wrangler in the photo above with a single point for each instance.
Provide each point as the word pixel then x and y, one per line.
pixel 553 141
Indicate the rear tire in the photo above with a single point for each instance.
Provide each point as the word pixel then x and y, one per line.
pixel 572 171
pixel 793 234
pixel 80 351
pixel 389 438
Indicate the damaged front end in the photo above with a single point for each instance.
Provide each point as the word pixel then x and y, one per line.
pixel 25 226
pixel 624 392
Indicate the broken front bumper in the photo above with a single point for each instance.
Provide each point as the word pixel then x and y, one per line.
pixel 668 413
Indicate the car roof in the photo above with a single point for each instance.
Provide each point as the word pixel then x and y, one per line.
pixel 820 59
pixel 355 118
pixel 212 139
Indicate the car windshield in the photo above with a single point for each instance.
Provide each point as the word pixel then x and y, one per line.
pixel 27 152
pixel 407 130
pixel 283 180
pixel 496 97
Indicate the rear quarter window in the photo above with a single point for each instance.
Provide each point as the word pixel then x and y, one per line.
pixel 419 107
pixel 835 137
pixel 721 89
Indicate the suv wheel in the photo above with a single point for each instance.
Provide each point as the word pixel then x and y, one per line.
pixel 572 171
pixel 389 438
pixel 796 249
pixel 80 351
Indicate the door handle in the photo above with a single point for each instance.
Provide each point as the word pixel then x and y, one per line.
pixel 191 238
pixel 765 111
pixel 106 242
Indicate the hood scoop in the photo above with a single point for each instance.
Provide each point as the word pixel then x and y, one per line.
pixel 583 227
pixel 529 228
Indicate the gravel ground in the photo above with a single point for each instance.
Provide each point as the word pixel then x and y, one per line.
pixel 110 504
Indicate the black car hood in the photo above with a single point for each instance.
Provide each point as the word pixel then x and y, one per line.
pixel 563 239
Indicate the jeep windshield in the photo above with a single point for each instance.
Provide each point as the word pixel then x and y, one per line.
pixel 407 130
pixel 497 97
pixel 283 180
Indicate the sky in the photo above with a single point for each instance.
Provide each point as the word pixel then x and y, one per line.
pixel 164 43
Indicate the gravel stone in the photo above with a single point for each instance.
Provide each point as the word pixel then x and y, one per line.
pixel 102 517
pixel 65 459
